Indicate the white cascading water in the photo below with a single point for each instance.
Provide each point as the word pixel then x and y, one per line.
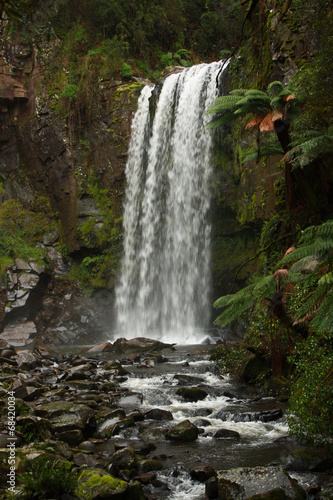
pixel 164 288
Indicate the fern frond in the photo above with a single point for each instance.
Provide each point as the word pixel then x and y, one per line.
pixel 307 263
pixel 265 287
pixel 254 92
pixel 239 92
pixel 274 89
pixel 319 248
pixel 235 309
pixel 311 304
pixel 226 102
pixel 219 121
pixel 323 320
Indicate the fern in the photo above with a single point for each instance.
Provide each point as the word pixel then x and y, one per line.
pixel 243 300
pixel 274 89
pixel 266 149
pixel 309 145
pixel 323 320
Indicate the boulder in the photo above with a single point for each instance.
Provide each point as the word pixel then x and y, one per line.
pixel 202 474
pixel 258 483
pixel 139 344
pixel 226 434
pixel 149 465
pixel 187 380
pixel 184 431
pixel 192 393
pixel 157 414
pixel 96 484
pixel 309 459
pixel 140 447
pixel 124 458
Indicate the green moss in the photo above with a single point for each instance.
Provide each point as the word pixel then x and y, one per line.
pixel 96 483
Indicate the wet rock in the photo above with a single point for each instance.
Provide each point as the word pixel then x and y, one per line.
pixel 87 446
pixel 203 412
pixel 139 344
pixel 103 347
pixel 326 493
pixel 19 388
pixel 124 458
pixel 202 474
pixel 212 488
pixel 66 416
pixel 96 484
pixel 149 465
pixel 226 434
pixel 187 380
pixel 263 416
pixel 19 334
pixel 72 437
pixel 184 431
pixel 146 478
pixel 258 483
pixel 202 422
pixel 26 360
pixel 140 447
pixel 158 414
pixel 83 459
pixel 132 399
pixel 192 393
pixel 35 426
pixel 153 435
pixel 62 448
pixel 308 459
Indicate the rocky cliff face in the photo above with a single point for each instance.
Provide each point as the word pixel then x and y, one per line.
pixel 64 163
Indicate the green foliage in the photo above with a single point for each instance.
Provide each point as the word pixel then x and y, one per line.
pixel 71 92
pixel 47 479
pixel 126 71
pixel 311 404
pixel 241 102
pixel 21 229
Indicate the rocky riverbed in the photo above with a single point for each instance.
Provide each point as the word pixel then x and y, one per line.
pixel 141 419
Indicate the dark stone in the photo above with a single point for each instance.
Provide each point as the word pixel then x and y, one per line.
pixel 140 447
pixel 184 431
pixel 202 474
pixel 211 488
pixel 72 437
pixel 157 414
pixel 187 380
pixel 262 416
pixel 192 393
pixel 124 458
pixel 226 434
pixel 149 465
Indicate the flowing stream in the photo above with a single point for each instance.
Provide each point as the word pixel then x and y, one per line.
pixel 227 406
pixel 164 288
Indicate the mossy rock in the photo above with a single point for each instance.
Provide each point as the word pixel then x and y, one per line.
pixel 134 491
pixel 184 431
pixel 95 484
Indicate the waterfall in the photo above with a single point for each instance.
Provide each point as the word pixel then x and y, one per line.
pixel 164 285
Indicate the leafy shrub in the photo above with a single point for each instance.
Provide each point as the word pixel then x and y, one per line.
pixel 47 479
pixel 311 404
